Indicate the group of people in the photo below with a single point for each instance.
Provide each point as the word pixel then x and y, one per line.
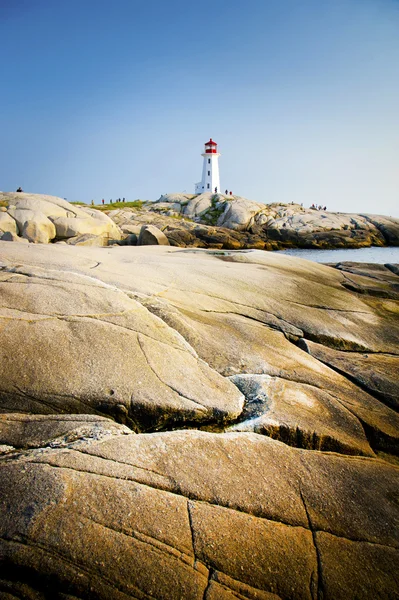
pixel 226 192
pixel 117 200
pixel 318 207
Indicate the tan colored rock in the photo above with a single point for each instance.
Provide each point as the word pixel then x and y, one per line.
pixel 299 415
pixel 70 220
pixel 87 239
pixel 33 225
pixel 193 512
pixel 67 227
pixel 150 235
pixel 242 312
pixel 7 223
pixel 55 431
pixel 377 373
pixel 101 352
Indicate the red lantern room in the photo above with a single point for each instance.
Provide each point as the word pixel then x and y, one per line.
pixel 211 147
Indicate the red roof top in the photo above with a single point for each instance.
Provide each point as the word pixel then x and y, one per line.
pixel 211 143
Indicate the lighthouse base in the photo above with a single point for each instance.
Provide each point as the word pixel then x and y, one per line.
pixel 199 188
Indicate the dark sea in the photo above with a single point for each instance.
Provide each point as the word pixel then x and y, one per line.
pixel 374 254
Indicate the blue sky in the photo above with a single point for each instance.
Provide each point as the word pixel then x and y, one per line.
pixel 108 99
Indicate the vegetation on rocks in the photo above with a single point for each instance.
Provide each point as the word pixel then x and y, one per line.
pixel 119 205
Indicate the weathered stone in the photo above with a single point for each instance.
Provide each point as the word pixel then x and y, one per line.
pixel 150 236
pixel 67 227
pixel 100 353
pixel 7 223
pixel 8 236
pixel 190 511
pixel 87 239
pixel 149 336
pixel 55 431
pixel 33 225
pixel 299 415
pixel 378 373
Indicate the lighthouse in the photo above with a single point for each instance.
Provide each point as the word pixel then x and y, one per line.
pixel 210 171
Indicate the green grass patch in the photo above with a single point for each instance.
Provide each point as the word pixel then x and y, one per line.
pixel 116 205
pixel 213 213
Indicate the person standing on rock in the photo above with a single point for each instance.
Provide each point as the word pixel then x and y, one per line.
pixel 102 200
pixel 226 192
pixel 216 190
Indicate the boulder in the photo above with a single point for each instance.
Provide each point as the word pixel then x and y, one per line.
pixel 198 205
pixel 87 239
pixel 51 206
pixel 67 227
pixel 7 223
pixel 8 236
pixel 41 218
pixel 151 235
pixel 33 225
pixel 239 213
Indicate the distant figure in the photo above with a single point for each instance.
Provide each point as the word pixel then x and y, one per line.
pixel 325 208
pixel 92 202
pixel 102 200
pixel 20 189
pixel 226 192
pixel 110 201
pixel 231 193
pixel 216 190
pixel 123 199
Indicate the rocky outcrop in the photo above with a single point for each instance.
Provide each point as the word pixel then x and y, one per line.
pixel 43 219
pixel 191 424
pixel 282 225
pixel 201 221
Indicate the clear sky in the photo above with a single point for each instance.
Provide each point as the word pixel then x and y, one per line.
pixel 105 98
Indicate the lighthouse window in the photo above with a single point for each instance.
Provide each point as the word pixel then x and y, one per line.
pixel 209 173
pixel 208 186
pixel 209 161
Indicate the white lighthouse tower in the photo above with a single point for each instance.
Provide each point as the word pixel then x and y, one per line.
pixel 210 181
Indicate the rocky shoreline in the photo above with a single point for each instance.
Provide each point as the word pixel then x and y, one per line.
pixel 205 221
pixel 233 223
pixel 192 424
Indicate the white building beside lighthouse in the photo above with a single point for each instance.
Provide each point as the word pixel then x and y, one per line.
pixel 210 181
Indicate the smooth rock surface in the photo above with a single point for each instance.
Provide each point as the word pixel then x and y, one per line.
pixel 194 514
pixel 265 460
pixel 100 352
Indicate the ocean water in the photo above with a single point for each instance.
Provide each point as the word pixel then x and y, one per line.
pixel 374 254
